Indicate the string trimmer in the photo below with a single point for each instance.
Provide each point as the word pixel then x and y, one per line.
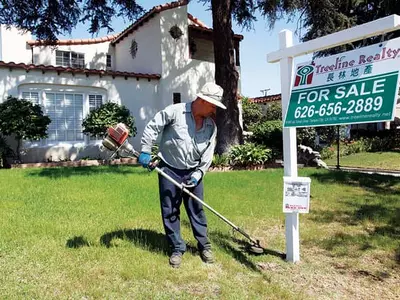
pixel 117 140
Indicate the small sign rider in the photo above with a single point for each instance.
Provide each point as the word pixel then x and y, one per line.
pixel 296 194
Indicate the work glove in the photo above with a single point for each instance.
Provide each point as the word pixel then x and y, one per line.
pixel 190 183
pixel 144 159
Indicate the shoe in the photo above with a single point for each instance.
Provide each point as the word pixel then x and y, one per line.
pixel 207 256
pixel 175 259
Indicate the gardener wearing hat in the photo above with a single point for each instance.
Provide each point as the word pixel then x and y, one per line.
pixel 187 135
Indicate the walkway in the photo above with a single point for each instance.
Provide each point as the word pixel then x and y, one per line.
pixel 395 173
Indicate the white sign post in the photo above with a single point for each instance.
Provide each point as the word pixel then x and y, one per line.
pixel 285 56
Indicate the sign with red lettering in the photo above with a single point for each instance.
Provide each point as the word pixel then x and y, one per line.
pixel 358 86
pixel 296 194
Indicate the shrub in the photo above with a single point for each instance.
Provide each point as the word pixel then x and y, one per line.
pixel 220 160
pixel 109 114
pixel 249 154
pixel 306 136
pixel 274 112
pixel 23 119
pixel 268 133
pixel 378 140
pixel 353 147
pixel 328 134
pixel 252 113
pixel 327 152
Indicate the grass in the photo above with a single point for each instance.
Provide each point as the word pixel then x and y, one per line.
pixel 96 233
pixel 380 160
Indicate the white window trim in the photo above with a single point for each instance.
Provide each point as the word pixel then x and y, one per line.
pixel 42 94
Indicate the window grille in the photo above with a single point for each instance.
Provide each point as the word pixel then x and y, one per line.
pixel 31 96
pixel 70 59
pixel 66 113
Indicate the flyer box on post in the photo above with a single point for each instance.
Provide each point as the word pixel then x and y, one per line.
pixel 296 194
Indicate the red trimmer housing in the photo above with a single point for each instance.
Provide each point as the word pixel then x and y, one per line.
pixel 119 133
pixel 116 139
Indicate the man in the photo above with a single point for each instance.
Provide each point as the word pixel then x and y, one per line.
pixel 187 134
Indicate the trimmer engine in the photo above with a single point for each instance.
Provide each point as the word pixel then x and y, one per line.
pixel 117 140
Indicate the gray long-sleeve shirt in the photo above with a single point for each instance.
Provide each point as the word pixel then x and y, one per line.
pixel 181 145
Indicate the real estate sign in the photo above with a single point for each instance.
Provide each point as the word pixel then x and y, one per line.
pixel 359 86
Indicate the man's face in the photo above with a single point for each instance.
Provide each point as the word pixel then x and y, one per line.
pixel 208 108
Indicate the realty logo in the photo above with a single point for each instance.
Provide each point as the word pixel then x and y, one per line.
pixel 304 75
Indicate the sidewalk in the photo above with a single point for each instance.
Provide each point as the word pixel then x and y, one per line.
pixel 395 173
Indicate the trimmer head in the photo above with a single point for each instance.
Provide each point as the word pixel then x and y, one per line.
pixel 256 248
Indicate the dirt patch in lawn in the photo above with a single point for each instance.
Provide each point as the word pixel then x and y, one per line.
pixel 322 276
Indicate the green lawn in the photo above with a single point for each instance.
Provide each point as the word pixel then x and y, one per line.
pixel 380 160
pixel 96 233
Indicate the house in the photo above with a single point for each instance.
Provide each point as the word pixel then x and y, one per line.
pixel 265 101
pixel 163 58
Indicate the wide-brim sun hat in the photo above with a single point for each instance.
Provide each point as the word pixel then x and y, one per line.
pixel 212 93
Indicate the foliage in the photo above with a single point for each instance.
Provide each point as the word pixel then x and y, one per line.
pixel 249 154
pixel 108 114
pixel 23 119
pixel 274 111
pixel 317 18
pixel 327 134
pixel 383 140
pixel 306 136
pixel 328 16
pixel 48 19
pixel 252 113
pixel 327 152
pixel 5 151
pixel 269 134
pixel 220 160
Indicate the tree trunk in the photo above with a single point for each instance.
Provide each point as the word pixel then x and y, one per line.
pixel 18 148
pixel 226 75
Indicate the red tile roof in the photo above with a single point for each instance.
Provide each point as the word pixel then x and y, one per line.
pixel 115 38
pixel 107 38
pixel 87 72
pixel 197 21
pixel 266 99
pixel 146 17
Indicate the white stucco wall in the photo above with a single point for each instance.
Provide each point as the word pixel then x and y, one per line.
pixel 95 54
pixel 148 56
pixel 13 47
pixel 180 74
pixel 139 96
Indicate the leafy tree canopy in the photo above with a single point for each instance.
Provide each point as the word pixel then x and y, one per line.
pixel 47 19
